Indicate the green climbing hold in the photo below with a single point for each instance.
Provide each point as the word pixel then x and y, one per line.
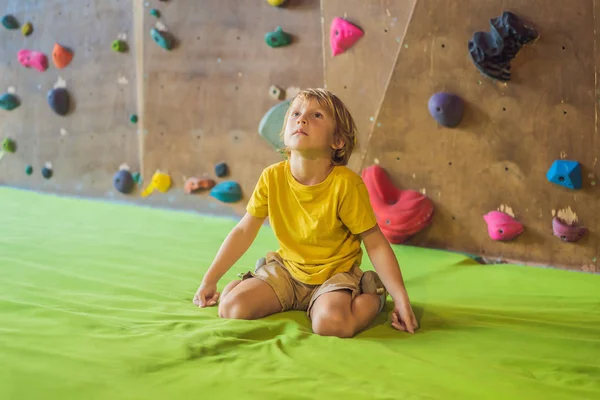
pixel 161 38
pixel 155 13
pixel 137 178
pixel 10 22
pixel 29 170
pixel 119 46
pixel 278 38
pixel 9 145
pixel 133 118
pixel 9 101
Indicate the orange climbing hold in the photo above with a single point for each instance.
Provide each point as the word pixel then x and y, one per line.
pixel 61 56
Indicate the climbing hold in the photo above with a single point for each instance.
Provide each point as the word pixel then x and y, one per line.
pixel 9 145
pixel 446 108
pixel 119 46
pixel 9 101
pixel 123 181
pixel 343 35
pixel 47 172
pixel 278 38
pixel 161 38
pixel 492 52
pixel 27 29
pixel 33 59
pixel 10 22
pixel 567 232
pixel 227 192
pixel 221 170
pixel 276 3
pixel 400 213
pixel 271 124
pixel 155 13
pixel 133 118
pixel 276 93
pixel 193 184
pixel 565 173
pixel 61 56
pixel 137 177
pixel 29 170
pixel 160 181
pixel 58 99
pixel 502 226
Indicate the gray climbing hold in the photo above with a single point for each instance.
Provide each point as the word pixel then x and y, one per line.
pixel 58 99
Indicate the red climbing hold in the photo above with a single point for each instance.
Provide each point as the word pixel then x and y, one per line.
pixel 33 59
pixel 400 213
pixel 343 35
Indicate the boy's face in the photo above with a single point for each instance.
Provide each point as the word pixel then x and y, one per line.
pixel 309 129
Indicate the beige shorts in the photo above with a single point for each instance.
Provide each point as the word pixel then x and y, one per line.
pixel 295 295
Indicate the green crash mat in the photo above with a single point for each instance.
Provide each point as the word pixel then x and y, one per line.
pixel 96 303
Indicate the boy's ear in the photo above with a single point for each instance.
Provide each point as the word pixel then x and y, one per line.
pixel 338 143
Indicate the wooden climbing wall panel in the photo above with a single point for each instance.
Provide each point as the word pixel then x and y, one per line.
pixel 361 74
pixel 204 99
pixel 87 146
pixel 497 158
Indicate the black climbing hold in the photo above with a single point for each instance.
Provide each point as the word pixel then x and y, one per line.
pixel 9 101
pixel 221 170
pixel 492 52
pixel 446 108
pixel 123 181
pixel 29 170
pixel 10 22
pixel 59 100
pixel 46 172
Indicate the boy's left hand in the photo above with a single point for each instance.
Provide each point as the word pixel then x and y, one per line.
pixel 403 317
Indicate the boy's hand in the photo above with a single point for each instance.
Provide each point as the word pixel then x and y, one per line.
pixel 403 317
pixel 206 295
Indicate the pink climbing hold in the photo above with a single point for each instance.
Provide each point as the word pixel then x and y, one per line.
pixel 502 226
pixel 567 232
pixel 343 35
pixel 33 59
pixel 400 213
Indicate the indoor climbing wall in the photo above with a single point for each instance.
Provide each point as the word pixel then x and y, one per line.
pixel 70 130
pixel 205 96
pixel 360 75
pixel 510 134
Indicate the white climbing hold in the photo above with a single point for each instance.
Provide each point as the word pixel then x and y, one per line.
pixel 12 90
pixel 122 80
pixel 60 83
pixel 63 132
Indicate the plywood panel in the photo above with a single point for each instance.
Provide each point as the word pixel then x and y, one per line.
pixel 498 157
pixel 204 99
pixel 97 136
pixel 360 75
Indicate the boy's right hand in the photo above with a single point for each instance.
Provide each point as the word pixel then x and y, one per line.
pixel 206 295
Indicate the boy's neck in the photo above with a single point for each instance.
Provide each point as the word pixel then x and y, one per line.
pixel 310 172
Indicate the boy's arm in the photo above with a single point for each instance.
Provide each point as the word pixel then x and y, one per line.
pixel 385 263
pixel 234 246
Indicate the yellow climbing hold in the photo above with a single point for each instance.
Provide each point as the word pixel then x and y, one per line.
pixel 27 29
pixel 276 3
pixel 160 181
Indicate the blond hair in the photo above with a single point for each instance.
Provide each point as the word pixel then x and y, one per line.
pixel 345 128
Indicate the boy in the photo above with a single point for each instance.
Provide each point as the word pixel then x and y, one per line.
pixel 320 212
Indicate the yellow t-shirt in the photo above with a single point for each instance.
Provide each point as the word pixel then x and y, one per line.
pixel 317 226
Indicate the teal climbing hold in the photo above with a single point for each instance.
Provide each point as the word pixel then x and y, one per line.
pixel 565 173
pixel 271 124
pixel 278 38
pixel 161 38
pixel 137 178
pixel 9 101
pixel 29 170
pixel 133 118
pixel 10 22
pixel 155 13
pixel 227 192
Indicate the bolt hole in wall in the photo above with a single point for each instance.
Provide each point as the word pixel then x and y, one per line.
pixel 443 46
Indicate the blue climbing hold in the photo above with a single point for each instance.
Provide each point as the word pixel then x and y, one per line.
pixel 123 181
pixel 227 192
pixel 221 170
pixel 565 173
pixel 271 124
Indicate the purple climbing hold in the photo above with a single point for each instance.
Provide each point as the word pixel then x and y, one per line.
pixel 446 108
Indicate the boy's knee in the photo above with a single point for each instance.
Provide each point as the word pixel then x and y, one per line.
pixel 333 324
pixel 231 307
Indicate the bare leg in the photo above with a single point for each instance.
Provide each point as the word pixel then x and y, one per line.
pixel 248 299
pixel 336 314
